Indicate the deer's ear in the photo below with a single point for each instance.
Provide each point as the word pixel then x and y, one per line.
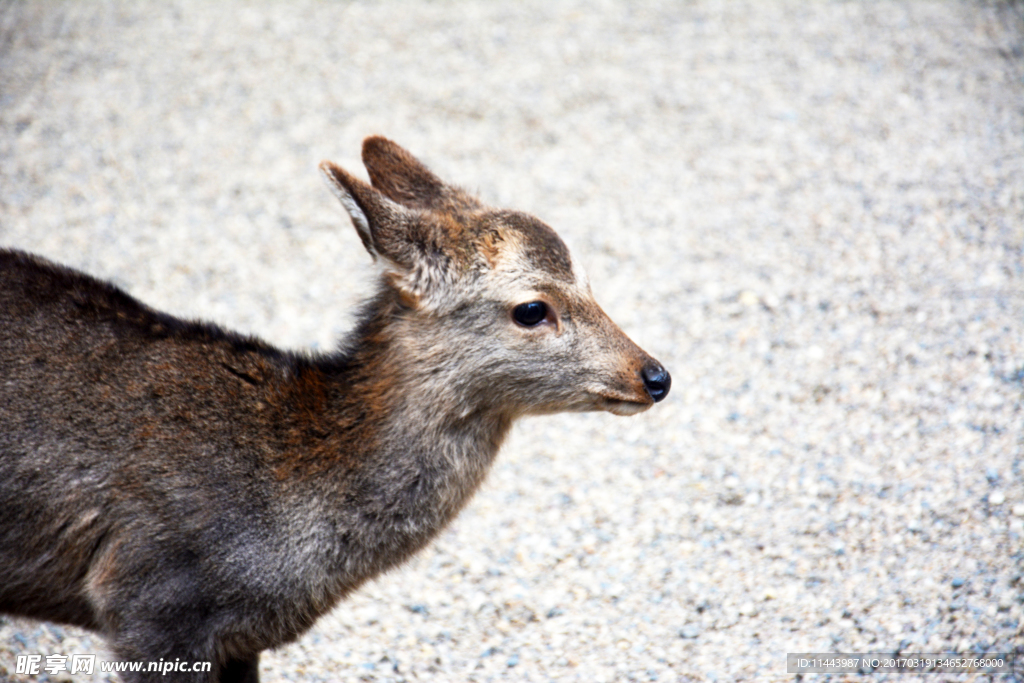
pixel 377 219
pixel 417 262
pixel 404 178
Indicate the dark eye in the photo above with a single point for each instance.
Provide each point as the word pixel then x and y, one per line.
pixel 530 314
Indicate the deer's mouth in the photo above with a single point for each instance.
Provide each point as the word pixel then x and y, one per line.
pixel 620 406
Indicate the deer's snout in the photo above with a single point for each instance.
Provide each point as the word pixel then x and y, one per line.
pixel 656 380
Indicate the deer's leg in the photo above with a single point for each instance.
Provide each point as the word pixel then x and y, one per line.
pixel 241 670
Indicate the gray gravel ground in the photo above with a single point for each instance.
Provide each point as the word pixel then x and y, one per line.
pixel 811 212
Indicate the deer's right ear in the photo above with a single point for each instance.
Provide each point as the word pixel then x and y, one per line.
pixel 400 175
pixel 374 216
pixel 405 179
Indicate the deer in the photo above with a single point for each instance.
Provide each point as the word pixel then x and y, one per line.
pixel 195 494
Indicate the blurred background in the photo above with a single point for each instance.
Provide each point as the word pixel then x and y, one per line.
pixel 811 212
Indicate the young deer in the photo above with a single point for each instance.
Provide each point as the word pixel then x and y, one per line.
pixel 195 494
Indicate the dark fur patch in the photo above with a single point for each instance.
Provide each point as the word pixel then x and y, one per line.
pixel 542 245
pixel 44 281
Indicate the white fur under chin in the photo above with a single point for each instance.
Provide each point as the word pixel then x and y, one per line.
pixel 626 407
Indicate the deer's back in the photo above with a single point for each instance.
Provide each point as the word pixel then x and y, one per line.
pixel 91 374
pixel 122 428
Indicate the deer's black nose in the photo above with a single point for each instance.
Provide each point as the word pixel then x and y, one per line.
pixel 656 380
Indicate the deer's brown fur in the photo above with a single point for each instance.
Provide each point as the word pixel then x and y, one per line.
pixel 192 493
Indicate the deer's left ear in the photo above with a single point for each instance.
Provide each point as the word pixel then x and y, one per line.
pixel 377 219
pixel 418 263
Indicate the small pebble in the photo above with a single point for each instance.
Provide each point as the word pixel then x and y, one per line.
pixel 689 632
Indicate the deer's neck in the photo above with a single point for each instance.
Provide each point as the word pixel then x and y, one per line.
pixel 393 456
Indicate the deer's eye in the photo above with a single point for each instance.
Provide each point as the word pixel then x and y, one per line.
pixel 530 314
